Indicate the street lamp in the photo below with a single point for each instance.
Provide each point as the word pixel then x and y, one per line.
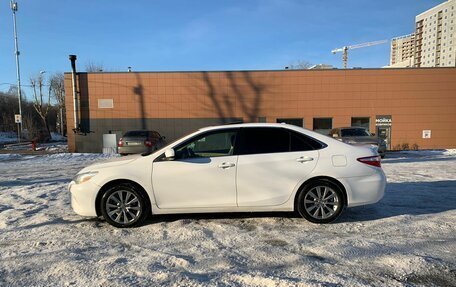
pixel 18 119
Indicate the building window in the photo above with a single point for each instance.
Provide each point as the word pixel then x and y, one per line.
pixel 295 122
pixel 361 122
pixel 322 125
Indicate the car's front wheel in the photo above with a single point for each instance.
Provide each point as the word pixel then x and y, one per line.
pixel 124 206
pixel 320 202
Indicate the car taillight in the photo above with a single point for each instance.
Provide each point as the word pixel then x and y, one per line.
pixel 120 143
pixel 371 160
pixel 148 143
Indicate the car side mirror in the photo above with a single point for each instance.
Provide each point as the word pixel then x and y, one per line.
pixel 169 154
pixel 335 135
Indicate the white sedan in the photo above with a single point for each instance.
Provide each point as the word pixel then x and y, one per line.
pixel 233 168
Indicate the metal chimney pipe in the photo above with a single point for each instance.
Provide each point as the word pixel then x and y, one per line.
pixel 75 94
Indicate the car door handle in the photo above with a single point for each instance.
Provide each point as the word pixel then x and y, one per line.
pixel 226 165
pixel 304 159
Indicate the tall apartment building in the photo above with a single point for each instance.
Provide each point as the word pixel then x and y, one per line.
pixel 435 36
pixel 402 49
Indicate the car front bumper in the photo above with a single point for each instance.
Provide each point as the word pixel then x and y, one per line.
pixel 83 198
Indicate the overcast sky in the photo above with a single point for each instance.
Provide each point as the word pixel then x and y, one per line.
pixel 171 35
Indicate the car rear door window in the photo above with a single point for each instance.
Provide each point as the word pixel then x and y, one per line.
pixel 299 142
pixel 264 140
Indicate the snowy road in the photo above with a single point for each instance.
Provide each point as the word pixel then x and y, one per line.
pixel 408 239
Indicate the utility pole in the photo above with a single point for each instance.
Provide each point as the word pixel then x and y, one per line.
pixel 18 120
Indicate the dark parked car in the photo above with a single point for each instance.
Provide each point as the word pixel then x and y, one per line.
pixel 140 142
pixel 359 136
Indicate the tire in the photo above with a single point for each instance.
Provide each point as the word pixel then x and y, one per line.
pixel 320 201
pixel 124 206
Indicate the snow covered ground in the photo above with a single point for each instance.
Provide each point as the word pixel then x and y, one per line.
pixel 8 142
pixel 408 239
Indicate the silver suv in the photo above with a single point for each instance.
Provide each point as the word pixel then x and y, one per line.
pixel 359 136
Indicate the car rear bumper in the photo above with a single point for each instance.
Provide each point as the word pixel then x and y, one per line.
pixel 133 149
pixel 83 198
pixel 366 189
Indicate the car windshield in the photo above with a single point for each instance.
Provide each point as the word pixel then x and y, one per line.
pixel 143 134
pixel 354 133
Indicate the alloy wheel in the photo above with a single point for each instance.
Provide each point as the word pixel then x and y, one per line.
pixel 321 202
pixel 123 207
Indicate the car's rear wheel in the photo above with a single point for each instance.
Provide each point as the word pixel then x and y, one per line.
pixel 320 201
pixel 124 206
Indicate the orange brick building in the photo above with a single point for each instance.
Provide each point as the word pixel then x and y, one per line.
pixel 407 106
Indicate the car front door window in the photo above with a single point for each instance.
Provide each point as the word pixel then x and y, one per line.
pixel 209 145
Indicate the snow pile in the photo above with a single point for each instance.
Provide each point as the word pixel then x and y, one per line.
pixel 58 137
pixel 423 153
pixel 408 239
pixel 56 148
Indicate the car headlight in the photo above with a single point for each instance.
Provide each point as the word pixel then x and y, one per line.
pixel 83 177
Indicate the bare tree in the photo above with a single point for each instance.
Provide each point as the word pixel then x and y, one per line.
pixel 57 90
pixel 94 67
pixel 40 103
pixel 300 65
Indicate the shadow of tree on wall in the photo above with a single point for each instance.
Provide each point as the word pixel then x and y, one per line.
pixel 245 92
pixel 253 111
pixel 138 90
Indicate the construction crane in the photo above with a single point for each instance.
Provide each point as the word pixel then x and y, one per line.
pixel 345 49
